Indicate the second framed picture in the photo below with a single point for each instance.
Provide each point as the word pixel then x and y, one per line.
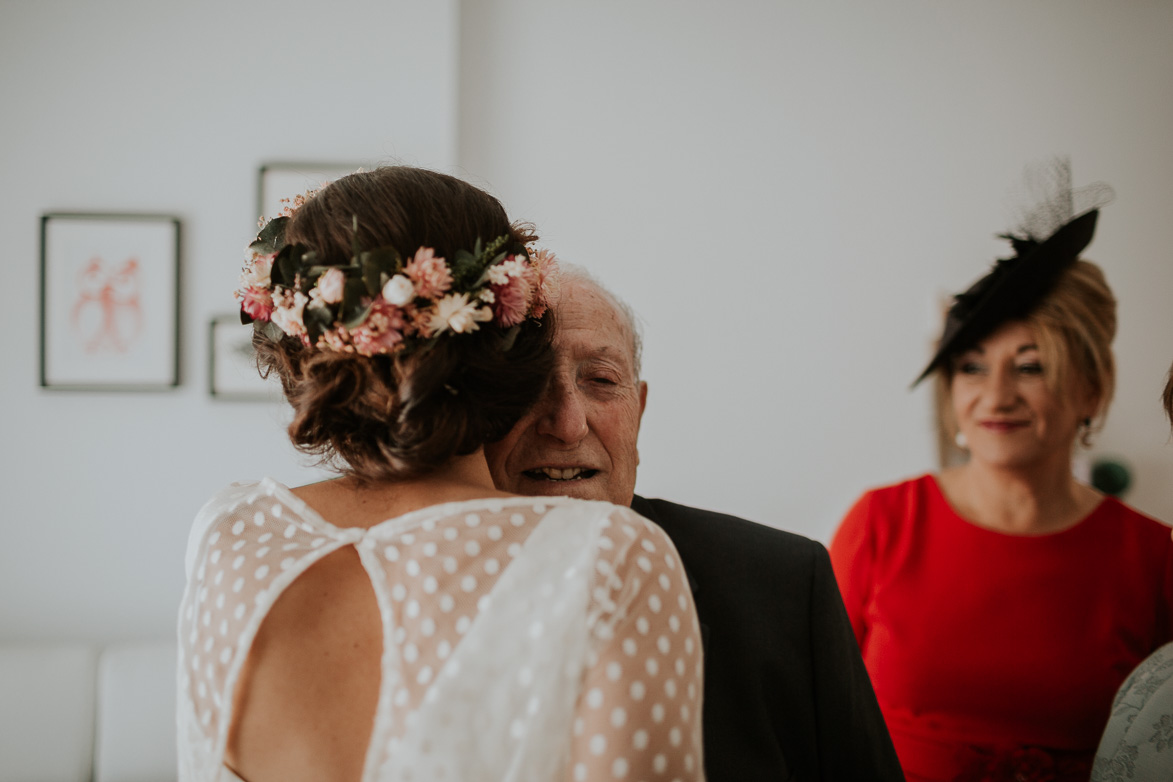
pixel 233 373
pixel 279 183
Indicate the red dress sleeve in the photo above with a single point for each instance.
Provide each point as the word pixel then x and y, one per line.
pixel 852 558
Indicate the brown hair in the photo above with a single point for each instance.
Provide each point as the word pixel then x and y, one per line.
pixel 393 417
pixel 1074 326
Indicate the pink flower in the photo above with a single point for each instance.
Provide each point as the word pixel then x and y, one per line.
pixel 419 321
pixel 381 332
pixel 430 274
pixel 257 303
pixel 545 267
pixel 511 301
pixel 331 284
pixel 337 338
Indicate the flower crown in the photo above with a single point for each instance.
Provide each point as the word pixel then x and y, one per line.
pixel 379 305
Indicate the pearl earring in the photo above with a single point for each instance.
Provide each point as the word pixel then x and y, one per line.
pixel 960 440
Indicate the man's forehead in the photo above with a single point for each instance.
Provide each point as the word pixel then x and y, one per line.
pixel 591 325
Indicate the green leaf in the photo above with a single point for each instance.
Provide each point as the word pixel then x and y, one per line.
pixel 375 264
pixel 466 270
pixel 317 320
pixel 352 298
pixel 357 320
pixel 269 329
pixel 272 237
pixel 354 248
pixel 285 267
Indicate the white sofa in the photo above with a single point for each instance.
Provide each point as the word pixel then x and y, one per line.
pixel 77 712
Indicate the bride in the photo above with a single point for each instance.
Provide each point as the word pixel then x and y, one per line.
pixel 406 621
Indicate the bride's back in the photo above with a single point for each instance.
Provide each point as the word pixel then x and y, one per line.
pixel 324 631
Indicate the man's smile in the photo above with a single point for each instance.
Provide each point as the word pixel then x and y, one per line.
pixel 559 473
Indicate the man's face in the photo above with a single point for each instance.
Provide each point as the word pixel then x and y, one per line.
pixel 579 440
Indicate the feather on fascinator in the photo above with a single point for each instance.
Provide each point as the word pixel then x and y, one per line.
pixel 1048 241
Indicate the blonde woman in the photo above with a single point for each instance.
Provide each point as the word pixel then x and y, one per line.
pixel 999 604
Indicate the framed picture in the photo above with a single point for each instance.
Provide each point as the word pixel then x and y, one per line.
pixel 233 373
pixel 278 181
pixel 109 301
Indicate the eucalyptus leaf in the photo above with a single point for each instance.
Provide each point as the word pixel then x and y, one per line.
pixel 285 267
pixel 272 237
pixel 357 320
pixel 270 330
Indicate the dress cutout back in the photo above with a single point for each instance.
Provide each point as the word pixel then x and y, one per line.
pixel 522 637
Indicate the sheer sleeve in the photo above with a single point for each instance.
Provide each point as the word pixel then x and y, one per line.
pixel 639 713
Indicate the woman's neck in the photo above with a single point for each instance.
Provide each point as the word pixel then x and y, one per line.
pixel 1038 500
pixel 346 502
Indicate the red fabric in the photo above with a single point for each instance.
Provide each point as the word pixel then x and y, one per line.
pixel 984 646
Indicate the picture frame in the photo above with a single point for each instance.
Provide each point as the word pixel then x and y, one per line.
pixel 285 180
pixel 109 301
pixel 232 363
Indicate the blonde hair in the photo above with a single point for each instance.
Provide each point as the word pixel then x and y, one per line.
pixel 1074 326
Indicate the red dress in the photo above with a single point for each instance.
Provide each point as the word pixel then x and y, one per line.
pixel 993 654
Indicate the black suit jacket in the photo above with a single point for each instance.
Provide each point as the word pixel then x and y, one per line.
pixel 786 694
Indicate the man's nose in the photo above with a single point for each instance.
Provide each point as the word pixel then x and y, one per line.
pixel 561 413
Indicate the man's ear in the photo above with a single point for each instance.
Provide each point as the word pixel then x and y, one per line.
pixel 643 402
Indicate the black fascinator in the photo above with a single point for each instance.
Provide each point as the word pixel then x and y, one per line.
pixel 1048 241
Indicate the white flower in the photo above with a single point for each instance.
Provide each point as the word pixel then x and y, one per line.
pixel 500 273
pixel 331 285
pixel 487 296
pixel 497 274
pixel 456 312
pixel 256 271
pixel 289 311
pixel 398 290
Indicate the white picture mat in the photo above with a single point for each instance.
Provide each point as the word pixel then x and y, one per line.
pixel 287 180
pixel 234 367
pixel 127 337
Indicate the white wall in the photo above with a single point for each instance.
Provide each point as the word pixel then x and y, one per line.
pixel 170 107
pixel 783 190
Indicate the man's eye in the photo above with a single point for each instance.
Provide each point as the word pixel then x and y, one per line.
pixel 601 380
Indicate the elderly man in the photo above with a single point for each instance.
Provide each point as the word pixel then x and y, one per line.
pixel 786 693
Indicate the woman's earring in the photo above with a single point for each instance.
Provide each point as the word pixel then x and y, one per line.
pixel 1085 434
pixel 960 440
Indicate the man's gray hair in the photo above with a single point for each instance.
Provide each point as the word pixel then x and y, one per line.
pixel 572 272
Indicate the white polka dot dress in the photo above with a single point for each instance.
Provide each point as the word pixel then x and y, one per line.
pixel 523 638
